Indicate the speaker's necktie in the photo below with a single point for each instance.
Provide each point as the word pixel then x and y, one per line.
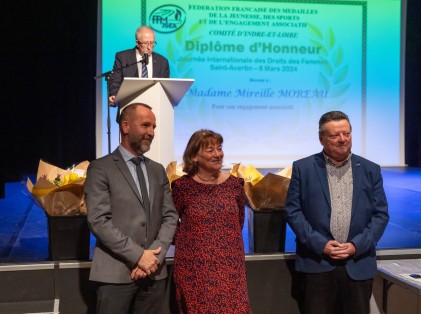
pixel 142 182
pixel 144 70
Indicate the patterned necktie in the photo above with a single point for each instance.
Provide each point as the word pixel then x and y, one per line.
pixel 144 70
pixel 142 182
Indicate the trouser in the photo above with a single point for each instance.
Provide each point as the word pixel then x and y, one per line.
pixel 144 296
pixel 335 292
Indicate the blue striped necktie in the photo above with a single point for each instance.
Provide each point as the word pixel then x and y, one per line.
pixel 144 70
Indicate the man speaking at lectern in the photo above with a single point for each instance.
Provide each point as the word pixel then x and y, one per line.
pixel 140 61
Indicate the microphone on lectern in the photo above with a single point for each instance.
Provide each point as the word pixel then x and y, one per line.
pixel 146 59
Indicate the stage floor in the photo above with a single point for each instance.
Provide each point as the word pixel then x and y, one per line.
pixel 24 234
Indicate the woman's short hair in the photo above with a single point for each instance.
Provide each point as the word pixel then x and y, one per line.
pixel 200 139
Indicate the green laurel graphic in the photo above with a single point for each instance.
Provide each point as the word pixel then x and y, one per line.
pixel 333 71
pixel 176 52
pixel 332 77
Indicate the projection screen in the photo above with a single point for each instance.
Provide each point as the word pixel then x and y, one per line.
pixel 265 71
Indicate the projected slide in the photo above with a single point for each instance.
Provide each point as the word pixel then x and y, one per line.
pixel 266 71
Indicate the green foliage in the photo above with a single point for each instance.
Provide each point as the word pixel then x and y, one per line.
pixel 333 70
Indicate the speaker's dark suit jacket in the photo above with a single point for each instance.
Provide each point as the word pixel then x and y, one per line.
pixel 118 220
pixel 160 68
pixel 308 211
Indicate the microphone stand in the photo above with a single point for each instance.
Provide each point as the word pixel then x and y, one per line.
pixel 107 76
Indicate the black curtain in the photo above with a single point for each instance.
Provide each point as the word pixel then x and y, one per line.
pixel 413 85
pixel 48 99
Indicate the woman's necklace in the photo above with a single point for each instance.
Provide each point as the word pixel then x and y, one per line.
pixel 208 180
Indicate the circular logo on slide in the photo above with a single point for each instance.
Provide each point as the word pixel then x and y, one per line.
pixel 167 18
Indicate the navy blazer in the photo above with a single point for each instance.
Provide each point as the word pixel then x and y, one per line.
pixel 308 211
pixel 160 68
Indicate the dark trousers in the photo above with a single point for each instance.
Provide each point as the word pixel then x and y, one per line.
pixel 335 292
pixel 144 296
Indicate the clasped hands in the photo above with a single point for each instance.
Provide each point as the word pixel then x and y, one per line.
pixel 337 250
pixel 147 264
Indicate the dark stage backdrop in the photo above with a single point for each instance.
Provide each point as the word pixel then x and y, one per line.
pixel 413 85
pixel 48 63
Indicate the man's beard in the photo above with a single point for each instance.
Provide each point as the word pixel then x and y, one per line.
pixel 137 145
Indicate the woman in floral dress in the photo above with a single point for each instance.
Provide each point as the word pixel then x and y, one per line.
pixel 209 263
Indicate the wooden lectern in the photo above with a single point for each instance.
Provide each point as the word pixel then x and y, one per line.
pixel 162 94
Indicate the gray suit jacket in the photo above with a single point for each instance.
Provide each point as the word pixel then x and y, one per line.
pixel 160 68
pixel 118 221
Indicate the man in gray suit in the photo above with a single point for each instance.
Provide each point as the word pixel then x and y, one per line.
pixel 132 216
pixel 129 63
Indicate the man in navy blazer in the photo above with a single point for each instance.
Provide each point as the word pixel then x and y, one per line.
pixel 337 208
pixel 128 63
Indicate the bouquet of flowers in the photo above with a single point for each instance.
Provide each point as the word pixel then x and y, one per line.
pixel 174 172
pixel 264 192
pixel 59 191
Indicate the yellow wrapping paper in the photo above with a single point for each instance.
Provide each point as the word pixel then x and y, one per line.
pixel 174 172
pixel 264 192
pixel 59 191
